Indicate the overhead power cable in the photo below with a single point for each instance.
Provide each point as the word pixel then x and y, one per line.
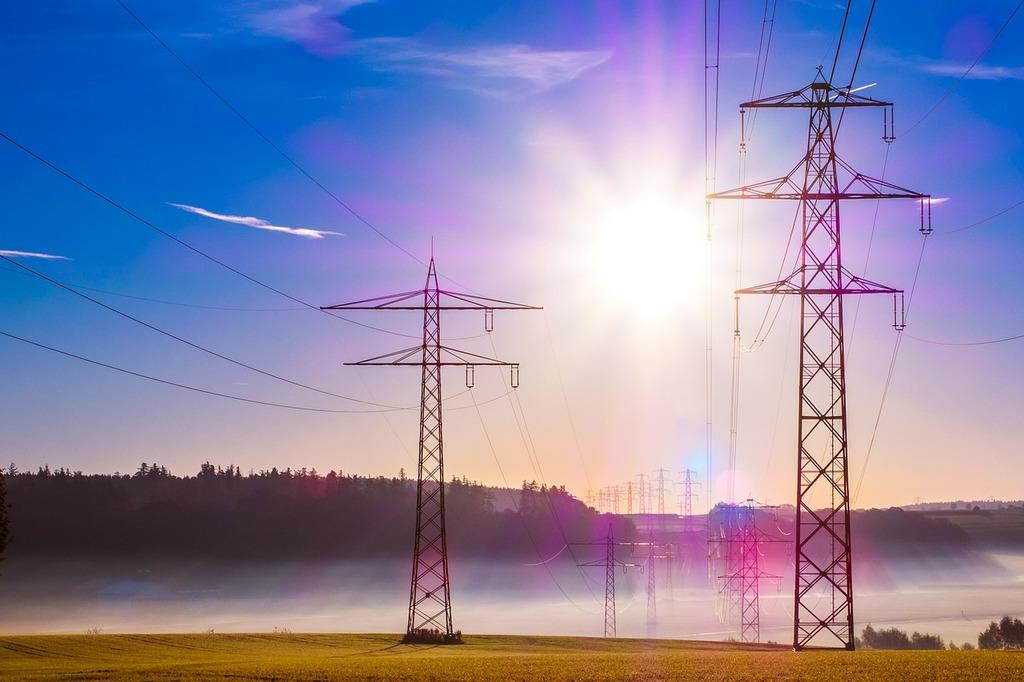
pixel 259 133
pixel 187 387
pixel 889 373
pixel 839 45
pixel 243 309
pixel 981 55
pixel 977 223
pixel 515 506
pixel 986 342
pixel 183 340
pixel 135 216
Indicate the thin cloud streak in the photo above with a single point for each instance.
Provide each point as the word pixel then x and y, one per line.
pixel 313 24
pixel 257 223
pixel 31 254
pixel 979 72
pixel 492 69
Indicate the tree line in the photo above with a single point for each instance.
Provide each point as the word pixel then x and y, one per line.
pixel 273 514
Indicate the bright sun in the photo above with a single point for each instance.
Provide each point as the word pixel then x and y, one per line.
pixel 647 252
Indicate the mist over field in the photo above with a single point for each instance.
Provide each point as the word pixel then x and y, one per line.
pixel 308 552
pixel 74 595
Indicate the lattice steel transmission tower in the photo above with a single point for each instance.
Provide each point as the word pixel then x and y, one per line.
pixel 430 590
pixel 688 482
pixel 738 550
pixel 643 492
pixel 651 554
pixel 823 603
pixel 629 497
pixel 609 564
pixel 661 489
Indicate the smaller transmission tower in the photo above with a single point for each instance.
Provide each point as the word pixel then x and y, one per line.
pixel 629 497
pixel 430 591
pixel 608 563
pixel 650 553
pixel 688 482
pixel 643 492
pixel 661 489
pixel 738 549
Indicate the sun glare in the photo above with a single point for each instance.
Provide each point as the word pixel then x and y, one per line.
pixel 647 253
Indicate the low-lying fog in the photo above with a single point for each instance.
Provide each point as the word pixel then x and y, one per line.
pixel 135 595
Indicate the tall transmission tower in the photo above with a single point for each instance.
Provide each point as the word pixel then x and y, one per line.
pixel 430 590
pixel 738 550
pixel 643 491
pixel 823 589
pixel 608 563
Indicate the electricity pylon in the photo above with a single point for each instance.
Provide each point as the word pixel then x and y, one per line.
pixel 629 497
pixel 738 549
pixel 653 552
pixel 823 589
pixel 608 563
pixel 643 492
pixel 686 500
pixel 430 592
pixel 661 489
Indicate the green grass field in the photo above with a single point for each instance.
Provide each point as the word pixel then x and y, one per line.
pixel 379 657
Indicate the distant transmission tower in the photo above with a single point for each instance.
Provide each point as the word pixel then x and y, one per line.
pixel 738 549
pixel 608 563
pixel 643 494
pixel 823 603
pixel 661 490
pixel 652 552
pixel 430 592
pixel 688 482
pixel 629 497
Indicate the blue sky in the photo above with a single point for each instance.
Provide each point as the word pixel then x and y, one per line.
pixel 509 132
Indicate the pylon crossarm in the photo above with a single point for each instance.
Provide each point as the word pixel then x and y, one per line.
pixel 387 302
pixel 473 302
pixel 815 95
pixel 464 357
pixel 398 357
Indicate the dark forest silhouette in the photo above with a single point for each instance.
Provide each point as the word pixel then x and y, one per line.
pixel 282 514
pixel 279 514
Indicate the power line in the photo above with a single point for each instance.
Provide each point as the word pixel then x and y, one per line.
pixel 515 506
pixel 889 374
pixel 987 342
pixel 183 340
pixel 284 155
pixel 710 185
pixel 984 220
pixel 81 183
pixel 243 309
pixel 526 436
pixel 187 387
pixel 839 46
pixel 956 84
pixel 565 401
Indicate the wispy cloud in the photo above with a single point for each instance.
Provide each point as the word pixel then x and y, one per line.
pixel 257 223
pixel 31 254
pixel 987 72
pixel 493 69
pixel 313 24
pixel 935 201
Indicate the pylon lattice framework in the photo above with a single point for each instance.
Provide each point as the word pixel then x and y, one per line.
pixel 430 589
pixel 609 564
pixel 823 590
pixel 738 552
